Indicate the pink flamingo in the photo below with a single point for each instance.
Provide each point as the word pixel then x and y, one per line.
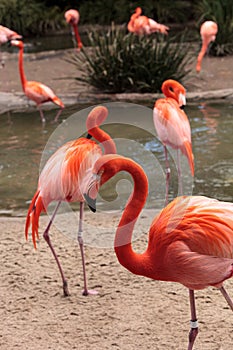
pixel 190 241
pixel 6 35
pixel 172 125
pixel 208 31
pixel 72 18
pixel 64 178
pixel 143 25
pixel 35 91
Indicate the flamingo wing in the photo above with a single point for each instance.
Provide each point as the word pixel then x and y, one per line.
pixel 194 241
pixel 40 93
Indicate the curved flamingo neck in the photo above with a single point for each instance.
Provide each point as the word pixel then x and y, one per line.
pixel 134 262
pixel 168 90
pixel 95 118
pixel 21 69
pixel 77 36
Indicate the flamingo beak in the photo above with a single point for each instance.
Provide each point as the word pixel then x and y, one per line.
pixel 182 100
pixel 91 202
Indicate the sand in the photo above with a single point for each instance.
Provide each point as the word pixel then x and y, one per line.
pixel 130 312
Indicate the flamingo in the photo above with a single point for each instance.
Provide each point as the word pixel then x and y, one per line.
pixel 6 35
pixel 143 25
pixel 72 17
pixel 37 92
pixel 172 125
pixel 63 179
pixel 190 241
pixel 208 31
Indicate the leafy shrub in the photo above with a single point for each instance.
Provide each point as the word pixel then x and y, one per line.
pixel 220 11
pixel 29 17
pixel 120 62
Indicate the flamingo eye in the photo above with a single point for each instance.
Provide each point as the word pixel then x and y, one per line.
pixel 171 89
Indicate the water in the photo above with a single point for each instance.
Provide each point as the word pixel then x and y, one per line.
pixel 23 138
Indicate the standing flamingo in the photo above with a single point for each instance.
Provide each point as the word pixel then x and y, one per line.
pixel 143 25
pixel 72 18
pixel 172 125
pixel 6 35
pixel 63 179
pixel 37 92
pixel 208 31
pixel 190 240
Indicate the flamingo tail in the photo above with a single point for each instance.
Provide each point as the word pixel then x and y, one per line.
pixel 187 151
pixel 58 102
pixel 35 208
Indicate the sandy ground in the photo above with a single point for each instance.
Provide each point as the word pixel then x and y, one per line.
pixel 129 312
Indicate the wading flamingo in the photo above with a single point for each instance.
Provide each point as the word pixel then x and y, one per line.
pixel 6 35
pixel 63 179
pixel 35 91
pixel 72 18
pixel 190 240
pixel 143 25
pixel 172 126
pixel 208 31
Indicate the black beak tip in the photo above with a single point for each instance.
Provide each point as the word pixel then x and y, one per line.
pixel 182 107
pixel 91 202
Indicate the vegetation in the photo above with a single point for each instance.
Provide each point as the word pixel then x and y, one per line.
pixel 220 11
pixel 29 17
pixel 124 62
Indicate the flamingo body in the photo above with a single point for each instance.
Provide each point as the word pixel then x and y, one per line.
pixel 171 122
pixel 208 31
pixel 65 177
pixel 72 17
pixel 190 240
pixel 34 90
pixel 143 25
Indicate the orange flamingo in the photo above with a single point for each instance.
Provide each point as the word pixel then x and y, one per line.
pixel 72 18
pixel 63 179
pixel 190 240
pixel 6 35
pixel 143 25
pixel 208 31
pixel 37 92
pixel 172 125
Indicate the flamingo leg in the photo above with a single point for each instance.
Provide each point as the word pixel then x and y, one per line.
pixel 194 325
pixel 227 297
pixel 47 239
pixel 58 115
pixel 41 115
pixel 179 173
pixel 168 171
pixel 80 241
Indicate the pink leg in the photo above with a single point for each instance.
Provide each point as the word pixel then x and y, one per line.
pixel 227 297
pixel 47 238
pixel 58 115
pixel 168 171
pixel 179 173
pixel 194 325
pixel 80 241
pixel 41 115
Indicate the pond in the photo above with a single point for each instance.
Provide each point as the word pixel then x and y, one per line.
pixel 24 150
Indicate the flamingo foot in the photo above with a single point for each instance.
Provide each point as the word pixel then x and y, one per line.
pixel 65 289
pixel 90 292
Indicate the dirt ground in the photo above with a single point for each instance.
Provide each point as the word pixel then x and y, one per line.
pixel 129 312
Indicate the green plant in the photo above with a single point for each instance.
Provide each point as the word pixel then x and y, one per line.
pixel 120 62
pixel 220 11
pixel 29 17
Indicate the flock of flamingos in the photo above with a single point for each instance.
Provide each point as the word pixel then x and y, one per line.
pixel 191 240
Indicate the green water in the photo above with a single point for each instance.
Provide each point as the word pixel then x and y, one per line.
pixel 23 138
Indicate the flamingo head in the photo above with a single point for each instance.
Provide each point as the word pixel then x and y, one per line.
pixel 171 88
pixel 72 16
pixel 17 43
